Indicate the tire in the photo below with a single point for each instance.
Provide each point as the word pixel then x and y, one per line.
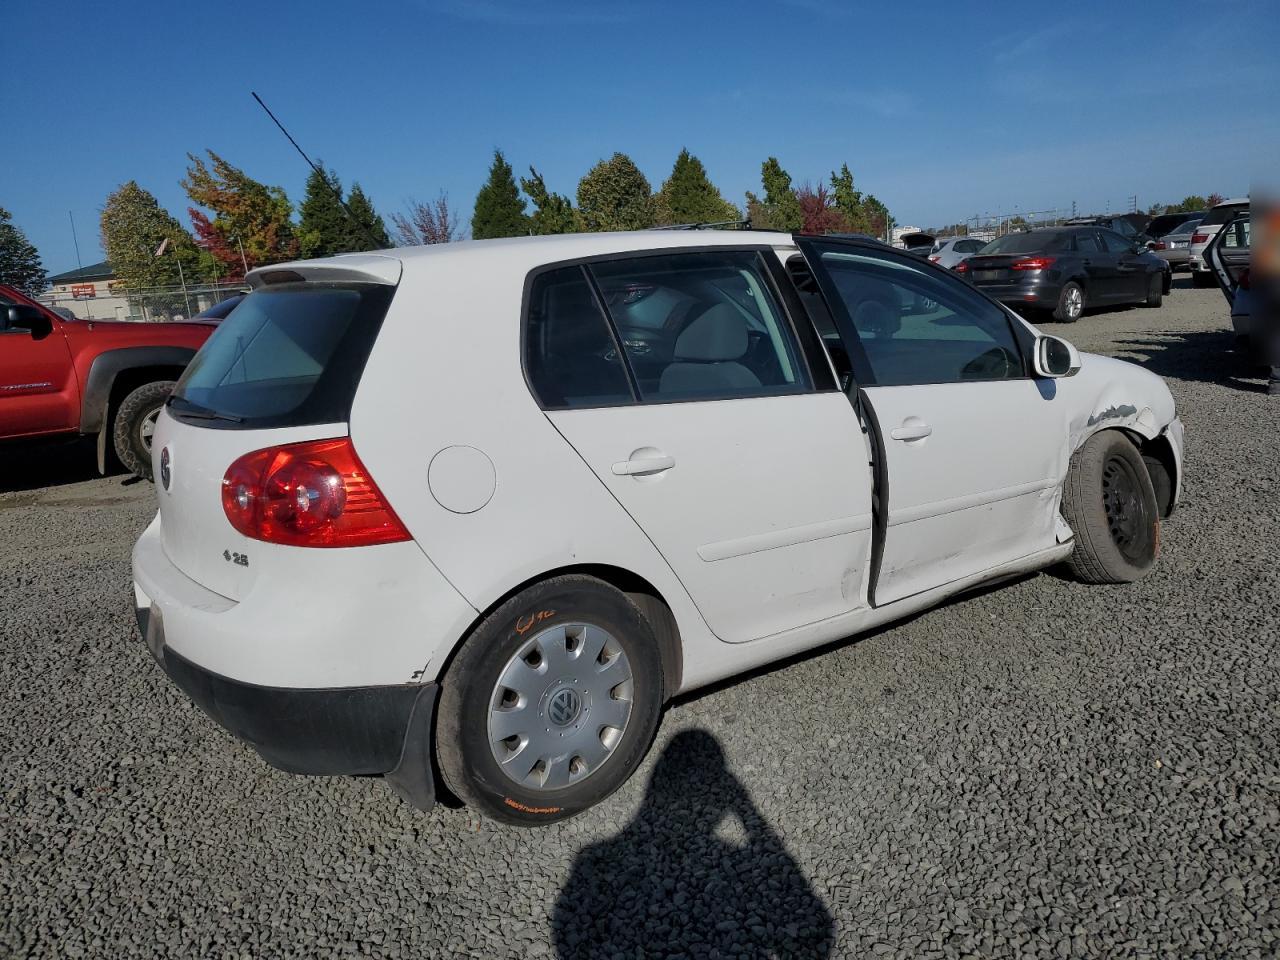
pixel 135 418
pixel 1155 290
pixel 528 642
pixel 1071 303
pixel 1110 504
pixel 1202 278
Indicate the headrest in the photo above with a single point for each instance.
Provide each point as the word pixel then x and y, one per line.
pixel 875 318
pixel 718 334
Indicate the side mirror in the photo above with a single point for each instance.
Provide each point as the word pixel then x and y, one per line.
pixel 1055 358
pixel 23 316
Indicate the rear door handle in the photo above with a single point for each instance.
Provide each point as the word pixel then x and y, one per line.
pixel 643 466
pixel 913 428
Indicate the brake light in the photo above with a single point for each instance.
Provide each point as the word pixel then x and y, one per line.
pixel 961 267
pixel 312 494
pixel 1033 263
pixel 1199 238
pixel 934 258
pixel 1158 245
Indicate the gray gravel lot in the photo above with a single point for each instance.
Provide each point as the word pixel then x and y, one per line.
pixel 1044 769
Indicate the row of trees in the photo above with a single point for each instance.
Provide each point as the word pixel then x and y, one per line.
pixel 615 195
pixel 1191 204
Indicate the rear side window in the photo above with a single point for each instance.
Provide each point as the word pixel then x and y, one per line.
pixel 1087 242
pixel 284 357
pixel 570 355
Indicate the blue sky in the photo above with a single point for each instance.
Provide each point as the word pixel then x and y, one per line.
pixel 942 110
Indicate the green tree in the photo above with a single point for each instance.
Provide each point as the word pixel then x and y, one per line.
pixel 614 195
pixel 247 216
pixel 134 227
pixel 780 208
pixel 499 207
pixel 20 264
pixel 689 196
pixel 366 230
pixel 552 213
pixel 847 199
pixel 1189 204
pixel 323 226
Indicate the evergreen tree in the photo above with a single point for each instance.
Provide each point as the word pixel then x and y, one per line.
pixel 366 230
pixel 20 264
pixel 780 209
pixel 499 207
pixel 689 196
pixel 552 213
pixel 848 200
pixel 246 214
pixel 324 227
pixel 134 226
pixel 614 195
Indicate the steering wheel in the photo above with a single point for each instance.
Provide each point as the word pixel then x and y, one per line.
pixel 994 364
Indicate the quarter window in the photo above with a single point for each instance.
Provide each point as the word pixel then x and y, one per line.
pixel 917 328
pixel 570 355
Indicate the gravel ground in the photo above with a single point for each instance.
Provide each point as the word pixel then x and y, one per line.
pixel 1044 769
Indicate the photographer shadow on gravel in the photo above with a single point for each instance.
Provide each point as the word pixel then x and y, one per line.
pixel 697 873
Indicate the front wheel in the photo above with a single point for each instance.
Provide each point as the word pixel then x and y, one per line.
pixel 551 703
pixel 1110 504
pixel 1070 303
pixel 135 423
pixel 1155 290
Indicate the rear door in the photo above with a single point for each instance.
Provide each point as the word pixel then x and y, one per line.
pixel 715 422
pixel 1131 271
pixel 1101 270
pixel 1228 254
pixel 971 442
pixel 38 389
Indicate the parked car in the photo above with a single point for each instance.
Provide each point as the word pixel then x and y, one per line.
pixel 949 251
pixel 1131 226
pixel 1201 275
pixel 486 507
pixel 1251 294
pixel 108 378
pixel 1174 248
pixel 220 310
pixel 917 243
pixel 1166 223
pixel 1066 270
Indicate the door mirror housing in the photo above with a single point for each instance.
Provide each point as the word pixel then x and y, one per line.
pixel 1055 358
pixel 23 316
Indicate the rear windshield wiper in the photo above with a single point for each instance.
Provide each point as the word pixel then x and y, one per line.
pixel 197 412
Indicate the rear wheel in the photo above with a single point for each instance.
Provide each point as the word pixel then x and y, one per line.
pixel 1110 503
pixel 135 423
pixel 551 703
pixel 1071 302
pixel 1155 290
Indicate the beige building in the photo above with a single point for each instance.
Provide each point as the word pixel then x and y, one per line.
pixel 88 293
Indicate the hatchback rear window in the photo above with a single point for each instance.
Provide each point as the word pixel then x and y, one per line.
pixel 285 357
pixel 1220 215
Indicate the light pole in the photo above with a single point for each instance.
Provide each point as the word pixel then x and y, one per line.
pixel 243 262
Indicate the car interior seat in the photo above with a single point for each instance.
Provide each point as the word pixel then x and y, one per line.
pixel 708 353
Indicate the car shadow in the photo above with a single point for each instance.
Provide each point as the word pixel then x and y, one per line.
pixel 697 873
pixel 1210 356
pixel 29 465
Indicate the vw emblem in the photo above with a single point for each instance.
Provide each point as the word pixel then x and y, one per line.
pixel 564 707
pixel 165 473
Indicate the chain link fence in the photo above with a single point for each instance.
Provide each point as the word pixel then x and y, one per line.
pixel 154 304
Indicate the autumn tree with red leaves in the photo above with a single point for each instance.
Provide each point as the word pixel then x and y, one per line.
pixel 247 215
pixel 819 211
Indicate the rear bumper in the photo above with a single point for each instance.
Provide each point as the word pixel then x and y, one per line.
pixel 325 732
pixel 1033 291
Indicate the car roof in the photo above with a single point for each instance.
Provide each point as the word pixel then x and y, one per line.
pixel 518 253
pixel 1237 202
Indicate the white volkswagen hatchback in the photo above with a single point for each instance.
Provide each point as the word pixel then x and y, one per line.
pixel 469 515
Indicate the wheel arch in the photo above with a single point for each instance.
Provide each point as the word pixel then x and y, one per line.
pixel 1156 446
pixel 650 601
pixel 113 374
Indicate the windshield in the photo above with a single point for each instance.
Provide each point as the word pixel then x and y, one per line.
pixel 284 357
pixel 1024 243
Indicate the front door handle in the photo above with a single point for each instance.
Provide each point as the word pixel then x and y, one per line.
pixel 644 466
pixel 913 428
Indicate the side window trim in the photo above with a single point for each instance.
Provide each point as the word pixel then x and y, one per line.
pixel 598 297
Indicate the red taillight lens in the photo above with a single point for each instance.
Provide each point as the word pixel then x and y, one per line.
pixel 1033 263
pixel 312 494
pixel 1199 238
pixel 1158 245
pixel 934 258
pixel 961 267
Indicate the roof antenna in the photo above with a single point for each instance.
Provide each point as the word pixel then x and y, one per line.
pixel 337 195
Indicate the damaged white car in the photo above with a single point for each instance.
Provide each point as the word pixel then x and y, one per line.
pixel 469 515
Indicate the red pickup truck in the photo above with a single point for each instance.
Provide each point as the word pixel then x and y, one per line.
pixel 90 377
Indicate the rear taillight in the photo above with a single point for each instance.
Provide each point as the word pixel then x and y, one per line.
pixel 1033 263
pixel 961 267
pixel 312 494
pixel 934 258
pixel 1199 238
pixel 1158 245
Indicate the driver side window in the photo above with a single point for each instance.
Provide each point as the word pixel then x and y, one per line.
pixel 915 327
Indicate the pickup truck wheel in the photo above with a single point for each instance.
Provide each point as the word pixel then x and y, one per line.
pixel 134 424
pixel 1110 503
pixel 551 702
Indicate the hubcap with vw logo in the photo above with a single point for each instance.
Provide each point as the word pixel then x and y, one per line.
pixel 560 706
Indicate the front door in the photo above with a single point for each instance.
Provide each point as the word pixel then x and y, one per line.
pixel 972 444
pixel 38 392
pixel 714 426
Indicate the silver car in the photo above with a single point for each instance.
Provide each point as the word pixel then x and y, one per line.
pixel 1175 246
pixel 1210 225
pixel 948 251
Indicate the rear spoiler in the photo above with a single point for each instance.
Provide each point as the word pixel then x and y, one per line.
pixel 346 268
